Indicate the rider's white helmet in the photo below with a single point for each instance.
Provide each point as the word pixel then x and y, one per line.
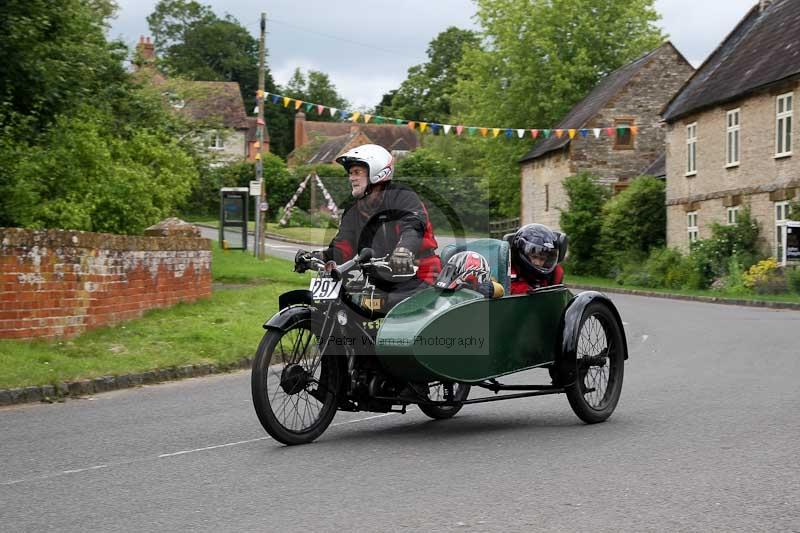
pixel 377 159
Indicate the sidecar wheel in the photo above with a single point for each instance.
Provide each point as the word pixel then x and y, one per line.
pixel 436 392
pixel 600 365
pixel 294 387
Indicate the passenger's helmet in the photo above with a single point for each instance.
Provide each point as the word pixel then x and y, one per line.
pixel 468 269
pixel 377 159
pixel 534 249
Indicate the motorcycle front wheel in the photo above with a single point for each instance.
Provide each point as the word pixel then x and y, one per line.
pixel 294 386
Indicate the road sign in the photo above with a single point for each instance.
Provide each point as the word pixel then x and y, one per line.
pixel 263 206
pixel 792 240
pixel 255 188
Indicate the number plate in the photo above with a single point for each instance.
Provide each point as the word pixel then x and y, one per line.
pixel 325 288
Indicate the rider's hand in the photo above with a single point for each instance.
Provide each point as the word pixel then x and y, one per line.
pixel 402 261
pixel 301 261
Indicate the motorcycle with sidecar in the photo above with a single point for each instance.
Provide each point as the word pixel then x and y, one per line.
pixel 343 344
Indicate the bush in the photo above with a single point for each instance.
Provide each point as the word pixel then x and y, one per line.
pixel 711 257
pixel 303 219
pixel 663 268
pixel 764 277
pixel 633 222
pixel 793 279
pixel 734 282
pixel 581 221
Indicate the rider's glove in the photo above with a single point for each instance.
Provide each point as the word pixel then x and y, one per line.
pixel 302 258
pixel 402 260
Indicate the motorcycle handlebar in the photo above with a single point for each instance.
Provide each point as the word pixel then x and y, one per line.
pixel 364 256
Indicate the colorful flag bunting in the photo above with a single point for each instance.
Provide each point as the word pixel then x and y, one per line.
pixel 332 111
pixel 260 122
pixel 584 133
pixel 546 134
pixel 434 128
pixel 257 144
pixel 484 131
pixel 320 109
pixel 634 130
pixel 534 133
pixel 297 104
pixel 495 132
pixel 520 133
pixel 366 118
pixel 411 124
pixel 398 121
pixel 378 120
pixel 459 129
pixel 509 133
pixel 610 132
pixel 423 126
pixel 308 107
pixel 472 130
pixel 572 133
pixel 355 116
pixel 447 128
pixel 259 94
pixel 596 132
pixel 286 100
pixel 255 110
pixel 275 98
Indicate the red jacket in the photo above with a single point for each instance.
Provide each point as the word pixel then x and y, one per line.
pixel 521 285
pixel 399 218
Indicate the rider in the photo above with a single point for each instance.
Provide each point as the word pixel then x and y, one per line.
pixel 534 259
pixel 385 216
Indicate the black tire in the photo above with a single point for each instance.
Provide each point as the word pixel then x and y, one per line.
pixel 294 388
pixel 600 360
pixel 436 392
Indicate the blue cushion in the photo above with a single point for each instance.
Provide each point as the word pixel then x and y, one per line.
pixel 496 252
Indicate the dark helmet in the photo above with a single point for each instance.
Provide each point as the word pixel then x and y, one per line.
pixel 468 269
pixel 534 249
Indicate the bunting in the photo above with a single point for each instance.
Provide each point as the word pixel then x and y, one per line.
pixel 435 128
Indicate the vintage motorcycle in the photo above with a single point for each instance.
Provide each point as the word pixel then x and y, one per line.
pixel 343 344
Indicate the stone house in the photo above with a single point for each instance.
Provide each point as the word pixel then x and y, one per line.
pixel 329 139
pixel 730 131
pixel 632 95
pixel 215 107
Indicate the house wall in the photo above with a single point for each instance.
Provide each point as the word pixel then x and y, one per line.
pixel 641 100
pixel 233 146
pixel 758 181
pixel 541 178
pixel 59 283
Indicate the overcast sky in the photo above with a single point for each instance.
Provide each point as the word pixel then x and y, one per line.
pixel 366 46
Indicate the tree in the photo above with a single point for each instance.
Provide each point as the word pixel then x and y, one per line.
pixel 426 92
pixel 315 87
pixel 581 221
pixel 540 57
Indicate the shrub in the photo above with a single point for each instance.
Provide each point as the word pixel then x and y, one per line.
pixel 303 219
pixel 581 221
pixel 733 282
pixel 761 274
pixel 633 222
pixel 711 257
pixel 793 279
pixel 663 268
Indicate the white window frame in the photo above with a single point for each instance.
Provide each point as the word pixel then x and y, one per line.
pixel 732 145
pixel 784 109
pixel 781 216
pixel 692 229
pixel 691 149
pixel 216 141
pixel 732 215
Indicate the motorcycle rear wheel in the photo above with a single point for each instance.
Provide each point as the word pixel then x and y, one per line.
pixel 436 393
pixel 294 387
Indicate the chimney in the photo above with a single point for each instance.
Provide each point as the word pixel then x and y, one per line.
pixel 763 5
pixel 145 53
pixel 300 137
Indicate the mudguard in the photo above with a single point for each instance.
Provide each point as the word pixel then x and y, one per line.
pixel 289 316
pixel 297 297
pixel 569 329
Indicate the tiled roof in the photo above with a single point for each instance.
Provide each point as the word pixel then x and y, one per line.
pixel 338 134
pixel 212 101
pixel 657 168
pixel 763 48
pixel 587 108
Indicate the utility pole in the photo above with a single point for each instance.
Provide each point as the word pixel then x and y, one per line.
pixel 261 219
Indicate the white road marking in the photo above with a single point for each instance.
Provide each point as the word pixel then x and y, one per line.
pixel 165 455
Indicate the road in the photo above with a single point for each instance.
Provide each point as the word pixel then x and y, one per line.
pixel 705 438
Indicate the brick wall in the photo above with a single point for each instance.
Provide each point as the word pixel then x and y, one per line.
pixel 758 181
pixel 59 283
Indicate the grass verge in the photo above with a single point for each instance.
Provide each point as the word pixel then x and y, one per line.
pixel 611 284
pixel 219 330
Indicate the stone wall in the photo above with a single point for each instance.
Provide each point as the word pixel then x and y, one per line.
pixel 758 181
pixel 543 191
pixel 58 283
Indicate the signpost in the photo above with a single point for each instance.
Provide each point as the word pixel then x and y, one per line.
pixel 255 194
pixel 791 238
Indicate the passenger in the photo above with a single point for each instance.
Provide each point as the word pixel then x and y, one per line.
pixel 387 217
pixel 534 259
pixel 470 270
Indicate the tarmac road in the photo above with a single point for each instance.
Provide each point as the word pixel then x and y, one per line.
pixel 705 438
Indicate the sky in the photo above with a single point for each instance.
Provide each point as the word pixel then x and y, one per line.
pixel 367 46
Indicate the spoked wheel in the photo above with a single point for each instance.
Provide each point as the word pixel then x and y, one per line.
pixel 294 387
pixel 600 365
pixel 437 393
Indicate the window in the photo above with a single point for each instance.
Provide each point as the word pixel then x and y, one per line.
pixel 216 140
pixel 733 215
pixel 691 226
pixel 783 125
pixel 691 149
pixel 781 215
pixel 732 139
pixel 624 137
pixel 547 197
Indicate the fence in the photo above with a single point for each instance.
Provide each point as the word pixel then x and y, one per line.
pixel 498 228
